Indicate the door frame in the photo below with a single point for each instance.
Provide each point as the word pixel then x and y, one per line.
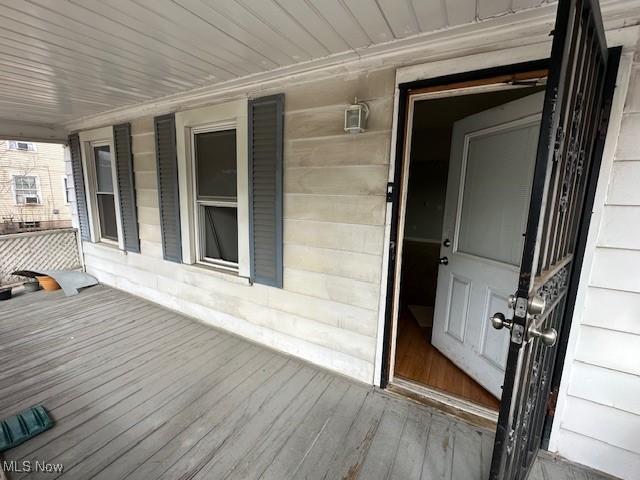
pixel 475 82
pixel 468 69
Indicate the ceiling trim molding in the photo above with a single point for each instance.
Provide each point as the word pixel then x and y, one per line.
pixel 522 29
pixel 10 130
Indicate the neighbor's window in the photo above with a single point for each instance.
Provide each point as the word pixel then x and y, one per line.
pixel 26 190
pixel 24 146
pixel 67 190
pixel 104 192
pixel 216 196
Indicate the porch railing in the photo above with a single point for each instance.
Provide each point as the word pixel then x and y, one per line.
pixel 43 250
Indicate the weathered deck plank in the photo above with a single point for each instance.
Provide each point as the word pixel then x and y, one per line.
pixel 140 392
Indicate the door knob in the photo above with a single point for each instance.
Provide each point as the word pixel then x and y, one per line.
pixel 498 321
pixel 444 261
pixel 548 336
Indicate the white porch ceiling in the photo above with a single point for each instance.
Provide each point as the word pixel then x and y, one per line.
pixel 65 59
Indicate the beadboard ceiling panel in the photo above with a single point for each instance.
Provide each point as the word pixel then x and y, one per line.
pixel 65 59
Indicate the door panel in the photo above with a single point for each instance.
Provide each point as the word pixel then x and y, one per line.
pixel 491 165
pixel 572 119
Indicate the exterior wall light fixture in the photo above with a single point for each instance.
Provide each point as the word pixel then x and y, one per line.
pixel 355 117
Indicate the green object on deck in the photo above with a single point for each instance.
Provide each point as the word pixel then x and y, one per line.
pixel 23 426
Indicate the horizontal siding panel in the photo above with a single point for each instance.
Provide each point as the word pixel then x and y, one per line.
pixel 358 266
pixel 582 449
pixel 151 249
pixel 147 198
pixel 355 180
pixel 632 105
pixel 610 349
pixel 341 90
pixel 613 309
pixel 329 120
pixel 339 236
pixel 148 215
pixel 150 232
pixel 330 287
pixel 364 210
pixel 620 227
pixel 616 269
pixel 622 389
pixel 628 145
pixel 143 125
pixel 147 180
pixel 364 149
pixel 623 185
pixel 350 343
pixel 341 315
pixel 144 162
pixel 609 425
pixel 143 143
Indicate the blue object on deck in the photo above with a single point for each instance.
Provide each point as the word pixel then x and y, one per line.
pixel 23 426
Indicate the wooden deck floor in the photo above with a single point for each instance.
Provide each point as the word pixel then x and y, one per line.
pixel 140 392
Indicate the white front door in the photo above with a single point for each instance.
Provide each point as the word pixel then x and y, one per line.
pixel 490 174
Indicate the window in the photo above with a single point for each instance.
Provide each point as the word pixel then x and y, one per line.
pixel 26 190
pixel 216 202
pixel 105 197
pixel 29 224
pixel 213 181
pixel 23 146
pixel 67 189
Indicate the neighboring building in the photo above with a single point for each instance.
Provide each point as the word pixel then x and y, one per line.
pixel 34 194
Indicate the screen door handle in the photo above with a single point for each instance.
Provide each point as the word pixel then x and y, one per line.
pixel 548 336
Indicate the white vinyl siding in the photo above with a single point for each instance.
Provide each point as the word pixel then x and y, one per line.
pixel 334 212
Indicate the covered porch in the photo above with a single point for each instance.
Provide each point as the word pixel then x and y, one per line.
pixel 139 391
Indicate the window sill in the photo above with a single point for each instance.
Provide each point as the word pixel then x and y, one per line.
pixel 229 275
pixel 112 247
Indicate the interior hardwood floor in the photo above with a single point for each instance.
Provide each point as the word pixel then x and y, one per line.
pixel 419 361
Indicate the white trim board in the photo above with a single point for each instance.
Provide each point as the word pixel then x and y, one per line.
pixel 522 29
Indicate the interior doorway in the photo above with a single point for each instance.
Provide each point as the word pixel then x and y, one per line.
pixel 466 176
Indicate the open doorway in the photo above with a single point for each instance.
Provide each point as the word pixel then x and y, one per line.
pixel 467 173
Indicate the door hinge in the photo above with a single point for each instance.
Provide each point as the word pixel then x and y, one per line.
pixel 389 192
pixel 392 251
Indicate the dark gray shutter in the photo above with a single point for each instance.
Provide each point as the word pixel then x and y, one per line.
pixel 126 186
pixel 266 122
pixel 78 186
pixel 168 195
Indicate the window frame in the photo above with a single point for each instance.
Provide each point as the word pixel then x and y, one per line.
pixel 199 222
pixel 88 140
pixel 13 145
pixel 66 189
pixel 15 188
pixel 220 116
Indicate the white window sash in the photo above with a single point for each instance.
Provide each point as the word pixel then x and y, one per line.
pixel 222 116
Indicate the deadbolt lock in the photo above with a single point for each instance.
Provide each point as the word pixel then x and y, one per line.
pixel 535 305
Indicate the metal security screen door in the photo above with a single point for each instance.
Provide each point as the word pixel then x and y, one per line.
pixel 571 121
